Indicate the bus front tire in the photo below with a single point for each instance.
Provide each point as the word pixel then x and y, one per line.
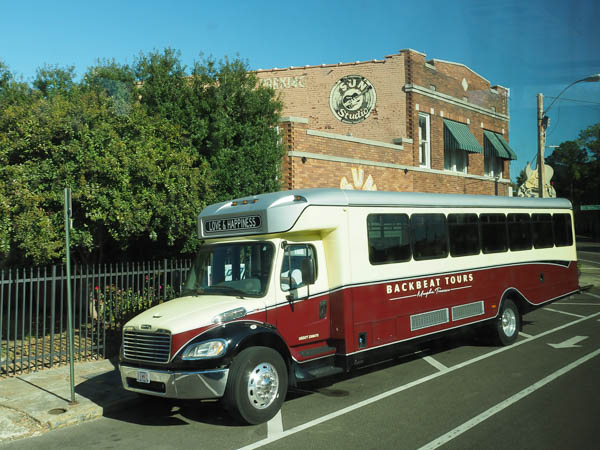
pixel 506 326
pixel 256 386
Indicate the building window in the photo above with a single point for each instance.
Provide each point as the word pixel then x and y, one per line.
pixel 458 141
pixel 455 160
pixel 495 152
pixel 424 141
pixel 493 166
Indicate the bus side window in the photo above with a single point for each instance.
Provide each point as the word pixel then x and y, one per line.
pixel 389 238
pixel 494 238
pixel 519 231
pixel 429 236
pixel 563 232
pixel 541 225
pixel 463 231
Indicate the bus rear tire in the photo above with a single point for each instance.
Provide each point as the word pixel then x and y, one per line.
pixel 256 386
pixel 506 327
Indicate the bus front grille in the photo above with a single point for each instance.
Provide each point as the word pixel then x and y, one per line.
pixel 148 347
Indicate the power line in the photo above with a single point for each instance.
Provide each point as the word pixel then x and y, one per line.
pixel 575 100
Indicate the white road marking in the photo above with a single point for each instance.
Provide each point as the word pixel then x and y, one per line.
pixel 591 295
pixel 588 261
pixel 506 403
pixel 570 343
pixel 438 365
pixel 275 425
pixel 563 312
pixel 578 304
pixel 383 395
pixel 525 335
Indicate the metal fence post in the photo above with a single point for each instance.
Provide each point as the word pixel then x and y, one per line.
pixel 68 213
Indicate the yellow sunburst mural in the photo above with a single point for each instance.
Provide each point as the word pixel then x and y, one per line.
pixel 358 181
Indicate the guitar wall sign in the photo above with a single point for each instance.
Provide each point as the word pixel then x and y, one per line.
pixel 352 99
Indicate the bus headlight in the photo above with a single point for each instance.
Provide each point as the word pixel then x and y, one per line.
pixel 205 349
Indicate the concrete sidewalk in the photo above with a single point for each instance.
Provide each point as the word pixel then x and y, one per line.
pixel 34 403
pixel 37 402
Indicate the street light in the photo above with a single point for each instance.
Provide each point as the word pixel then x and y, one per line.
pixel 542 124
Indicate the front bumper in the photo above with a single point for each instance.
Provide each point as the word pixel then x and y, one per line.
pixel 202 384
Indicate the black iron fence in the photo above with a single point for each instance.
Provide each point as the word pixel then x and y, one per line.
pixel 33 309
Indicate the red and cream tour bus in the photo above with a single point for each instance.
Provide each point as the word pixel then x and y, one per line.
pixel 295 285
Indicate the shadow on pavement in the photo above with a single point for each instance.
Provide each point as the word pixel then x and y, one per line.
pixel 156 411
pixel 105 390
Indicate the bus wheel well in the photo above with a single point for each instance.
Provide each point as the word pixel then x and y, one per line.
pixel 518 300
pixel 267 340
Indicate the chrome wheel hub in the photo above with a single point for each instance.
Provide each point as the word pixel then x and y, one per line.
pixel 263 385
pixel 509 322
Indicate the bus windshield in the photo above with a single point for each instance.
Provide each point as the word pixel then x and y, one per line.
pixel 236 269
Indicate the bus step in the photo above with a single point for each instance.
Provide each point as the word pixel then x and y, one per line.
pixel 317 351
pixel 312 373
pixel 325 371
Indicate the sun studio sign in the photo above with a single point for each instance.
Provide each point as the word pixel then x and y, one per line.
pixel 352 99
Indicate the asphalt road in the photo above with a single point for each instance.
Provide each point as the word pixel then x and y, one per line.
pixel 458 393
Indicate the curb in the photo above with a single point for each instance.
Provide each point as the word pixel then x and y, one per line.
pixel 35 403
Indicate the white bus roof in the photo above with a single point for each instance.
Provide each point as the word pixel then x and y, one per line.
pixel 277 212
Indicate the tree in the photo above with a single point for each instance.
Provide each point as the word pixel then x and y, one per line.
pixel 135 181
pixel 589 140
pixel 242 130
pixel 5 75
pixel 54 80
pixel 227 116
pixel 11 89
pixel 522 178
pixel 569 162
pixel 144 148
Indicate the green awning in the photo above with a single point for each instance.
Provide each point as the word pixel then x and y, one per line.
pixel 510 151
pixel 497 145
pixel 457 136
pixel 493 145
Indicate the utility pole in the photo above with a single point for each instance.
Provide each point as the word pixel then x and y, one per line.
pixel 542 124
pixel 541 143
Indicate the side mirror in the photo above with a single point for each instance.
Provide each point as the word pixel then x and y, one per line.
pixel 307 268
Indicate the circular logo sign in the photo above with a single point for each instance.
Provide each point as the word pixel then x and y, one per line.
pixel 352 99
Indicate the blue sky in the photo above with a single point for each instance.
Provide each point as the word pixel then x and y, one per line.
pixel 528 46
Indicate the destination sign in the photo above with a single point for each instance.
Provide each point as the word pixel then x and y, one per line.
pixel 232 224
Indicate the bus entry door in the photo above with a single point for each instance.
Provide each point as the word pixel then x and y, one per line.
pixel 303 315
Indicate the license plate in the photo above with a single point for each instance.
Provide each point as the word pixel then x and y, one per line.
pixel 143 376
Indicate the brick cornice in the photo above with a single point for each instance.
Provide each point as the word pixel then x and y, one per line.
pixel 413 88
pixel 366 162
pixel 341 137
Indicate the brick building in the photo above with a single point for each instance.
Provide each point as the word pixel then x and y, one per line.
pixel 398 124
